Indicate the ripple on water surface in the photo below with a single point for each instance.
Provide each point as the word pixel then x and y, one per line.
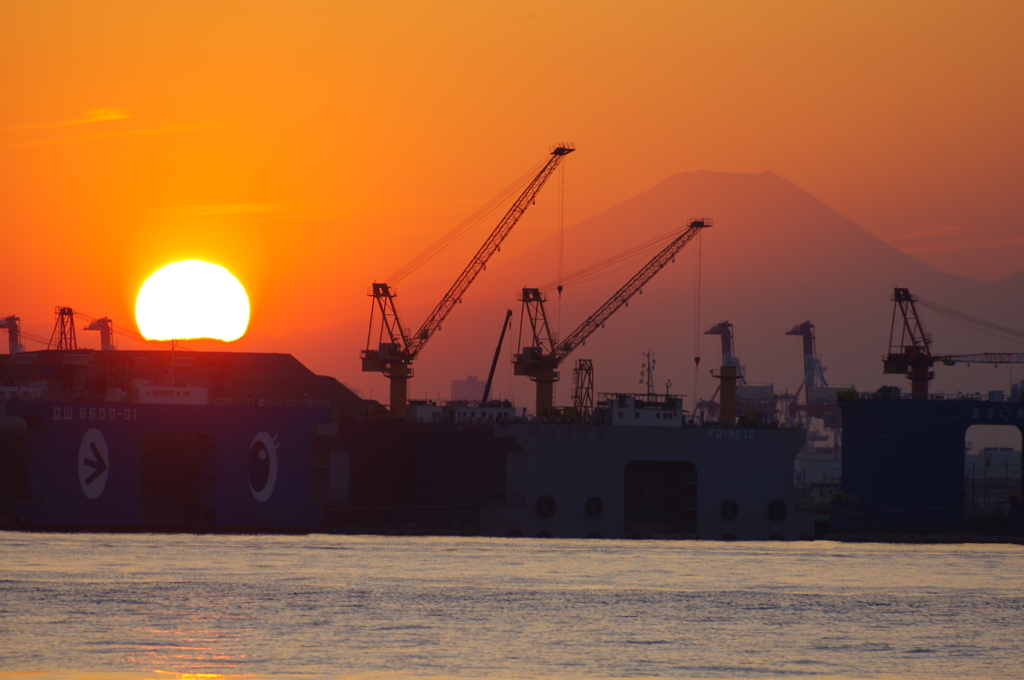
pixel 89 605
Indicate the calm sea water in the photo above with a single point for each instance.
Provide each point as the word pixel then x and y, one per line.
pixel 159 606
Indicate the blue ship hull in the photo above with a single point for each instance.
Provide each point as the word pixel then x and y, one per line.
pixel 104 466
pixel 903 466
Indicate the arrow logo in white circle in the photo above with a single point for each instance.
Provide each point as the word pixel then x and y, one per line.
pixel 93 463
pixel 262 466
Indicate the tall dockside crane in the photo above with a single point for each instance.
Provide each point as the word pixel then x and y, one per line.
pixel 63 336
pixel 106 328
pixel 396 348
pixel 729 358
pixel 541 359
pixel 757 398
pixel 814 374
pixel 13 326
pixel 819 396
pixel 910 353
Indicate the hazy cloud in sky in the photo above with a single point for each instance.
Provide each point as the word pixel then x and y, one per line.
pixel 100 115
pixel 68 139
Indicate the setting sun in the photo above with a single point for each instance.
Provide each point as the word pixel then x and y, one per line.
pixel 192 299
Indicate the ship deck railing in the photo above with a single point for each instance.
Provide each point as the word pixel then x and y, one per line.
pixel 935 396
pixel 263 401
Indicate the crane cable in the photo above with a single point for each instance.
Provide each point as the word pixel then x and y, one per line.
pixel 561 251
pixel 696 320
pixel 978 324
pixel 615 263
pixel 22 335
pixel 465 227
pixel 561 245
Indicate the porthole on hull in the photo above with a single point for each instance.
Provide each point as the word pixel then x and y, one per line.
pixel 546 507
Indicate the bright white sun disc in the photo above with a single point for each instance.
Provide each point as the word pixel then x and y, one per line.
pixel 192 299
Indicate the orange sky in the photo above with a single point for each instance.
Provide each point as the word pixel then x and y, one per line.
pixel 312 147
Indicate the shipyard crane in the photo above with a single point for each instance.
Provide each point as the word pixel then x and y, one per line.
pixel 396 347
pixel 13 326
pixel 729 358
pixel 540 360
pixel 63 336
pixel 818 402
pixel 814 373
pixel 757 398
pixel 910 353
pixel 106 328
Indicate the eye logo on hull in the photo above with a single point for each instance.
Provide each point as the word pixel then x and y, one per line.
pixel 93 463
pixel 262 466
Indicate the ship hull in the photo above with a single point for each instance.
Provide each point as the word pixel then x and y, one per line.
pixel 103 466
pixel 570 481
pixel 648 482
pixel 149 467
pixel 903 470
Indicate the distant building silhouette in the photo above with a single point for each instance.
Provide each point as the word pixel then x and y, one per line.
pixel 470 389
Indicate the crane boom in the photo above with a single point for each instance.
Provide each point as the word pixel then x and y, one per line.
pixel 984 358
pixel 541 364
pixel 396 349
pixel 494 362
pixel 490 246
pixel 628 290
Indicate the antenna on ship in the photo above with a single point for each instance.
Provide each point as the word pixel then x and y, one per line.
pixel 647 368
